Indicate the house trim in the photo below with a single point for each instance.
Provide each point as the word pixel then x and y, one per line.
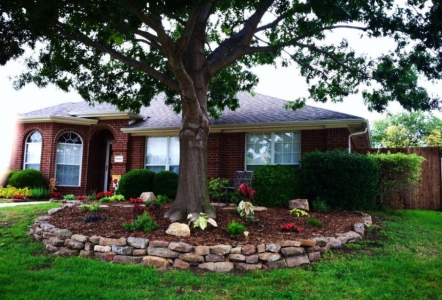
pixel 57 119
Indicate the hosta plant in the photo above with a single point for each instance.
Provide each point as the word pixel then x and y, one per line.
pixel 299 213
pixel 201 221
pixel 91 207
pixel 69 197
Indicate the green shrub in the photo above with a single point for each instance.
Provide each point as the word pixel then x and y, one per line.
pixel 92 207
pixel 217 188
pixel 27 178
pixel 143 222
pixel 344 180
pixel 105 200
pixel 235 228
pixel 314 222
pixel 39 193
pixel 163 199
pixel 275 185
pixel 165 183
pixel 135 182
pixel 399 175
pixel 69 197
pixel 319 205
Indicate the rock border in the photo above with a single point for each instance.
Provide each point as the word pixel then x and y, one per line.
pixel 179 255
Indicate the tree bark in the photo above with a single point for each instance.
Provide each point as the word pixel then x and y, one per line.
pixel 192 195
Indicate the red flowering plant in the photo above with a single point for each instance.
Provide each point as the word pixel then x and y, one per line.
pixel 18 197
pixel 81 197
pixel 99 195
pixel 290 227
pixel 247 191
pixel 108 193
pixel 136 200
pixel 139 209
pixel 55 195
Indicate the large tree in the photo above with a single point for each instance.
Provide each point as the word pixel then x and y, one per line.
pixel 407 129
pixel 198 53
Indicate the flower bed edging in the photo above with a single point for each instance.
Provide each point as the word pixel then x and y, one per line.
pixel 179 255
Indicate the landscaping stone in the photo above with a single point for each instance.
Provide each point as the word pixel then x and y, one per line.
pixel 248 249
pixel 127 260
pixel 261 248
pixel 180 247
pixel 350 235
pixel 273 248
pixel 154 261
pixel 215 258
pixel 163 244
pixel 334 242
pixel 294 261
pixel 220 267
pixel 277 264
pixel 321 242
pixel 202 250
pixel 300 204
pixel 148 197
pixel 181 264
pixel 103 249
pixel 247 267
pixel 292 251
pixel 252 259
pixel 220 249
pixel 359 228
pixel 46 226
pixel 86 254
pixel 162 252
pixel 236 250
pixel 104 256
pixel 192 258
pixel 122 250
pixel 72 244
pixel 308 243
pixel 268 256
pixel 139 243
pixel 139 252
pixel 89 246
pixel 62 234
pixel 95 239
pixel 63 251
pixel 116 242
pixel 54 241
pixel 236 257
pixel 51 249
pixel 312 249
pixel 80 238
pixel 178 229
pixel 54 210
pixel 314 256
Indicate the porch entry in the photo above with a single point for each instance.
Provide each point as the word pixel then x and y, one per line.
pixel 108 166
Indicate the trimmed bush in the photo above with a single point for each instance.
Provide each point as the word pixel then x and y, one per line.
pixel 399 176
pixel 343 180
pixel 26 178
pixel 165 183
pixel 135 182
pixel 275 185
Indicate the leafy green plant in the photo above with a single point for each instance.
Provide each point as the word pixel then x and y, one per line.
pixel 26 178
pixel 164 199
pixel 165 183
pixel 217 188
pixel 9 191
pixel 275 185
pixel 319 205
pixel 117 198
pixel 235 228
pixel 143 222
pixel 399 174
pixel 299 212
pixel 39 193
pixel 91 207
pixel 135 182
pixel 346 180
pixel 69 197
pixel 105 200
pixel 314 222
pixel 201 221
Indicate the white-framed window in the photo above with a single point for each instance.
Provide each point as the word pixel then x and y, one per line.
pixel 273 148
pixel 163 153
pixel 68 159
pixel 33 151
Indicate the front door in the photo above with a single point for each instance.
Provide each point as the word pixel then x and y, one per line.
pixel 108 165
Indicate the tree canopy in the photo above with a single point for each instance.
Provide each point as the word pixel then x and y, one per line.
pixel 403 130
pixel 199 54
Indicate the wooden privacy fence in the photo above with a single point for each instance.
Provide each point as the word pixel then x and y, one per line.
pixel 430 192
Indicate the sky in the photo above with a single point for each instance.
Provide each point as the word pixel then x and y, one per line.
pixel 284 83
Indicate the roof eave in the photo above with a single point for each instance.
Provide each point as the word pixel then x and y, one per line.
pixel 56 119
pixel 106 115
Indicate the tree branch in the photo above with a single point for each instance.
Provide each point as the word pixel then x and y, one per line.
pixel 67 32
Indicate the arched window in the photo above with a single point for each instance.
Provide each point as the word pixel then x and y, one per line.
pixel 68 160
pixel 33 151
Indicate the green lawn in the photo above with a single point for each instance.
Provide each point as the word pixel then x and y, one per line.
pixel 401 260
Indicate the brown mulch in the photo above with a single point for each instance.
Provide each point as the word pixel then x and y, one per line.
pixel 264 230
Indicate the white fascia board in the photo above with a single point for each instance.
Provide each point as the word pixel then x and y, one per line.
pixel 299 125
pixel 106 115
pixel 56 119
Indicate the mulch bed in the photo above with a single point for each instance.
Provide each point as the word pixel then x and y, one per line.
pixel 264 230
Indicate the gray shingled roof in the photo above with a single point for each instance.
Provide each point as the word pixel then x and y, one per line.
pixel 260 109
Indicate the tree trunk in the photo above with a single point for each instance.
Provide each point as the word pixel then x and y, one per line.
pixel 192 195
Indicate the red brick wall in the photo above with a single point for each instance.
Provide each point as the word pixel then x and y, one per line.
pixel 136 153
pixel 312 140
pixel 214 156
pixel 232 153
pixel 337 138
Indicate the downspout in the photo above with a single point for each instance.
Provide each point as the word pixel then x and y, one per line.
pixel 353 134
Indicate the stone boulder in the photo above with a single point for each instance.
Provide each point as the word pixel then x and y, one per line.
pixel 178 229
pixel 300 204
pixel 148 197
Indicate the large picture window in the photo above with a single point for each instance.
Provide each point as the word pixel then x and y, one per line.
pixel 68 159
pixel 163 153
pixel 282 148
pixel 33 151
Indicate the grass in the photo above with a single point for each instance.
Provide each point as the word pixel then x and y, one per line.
pixel 403 262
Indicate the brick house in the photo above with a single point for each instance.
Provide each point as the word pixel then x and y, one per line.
pixel 83 146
